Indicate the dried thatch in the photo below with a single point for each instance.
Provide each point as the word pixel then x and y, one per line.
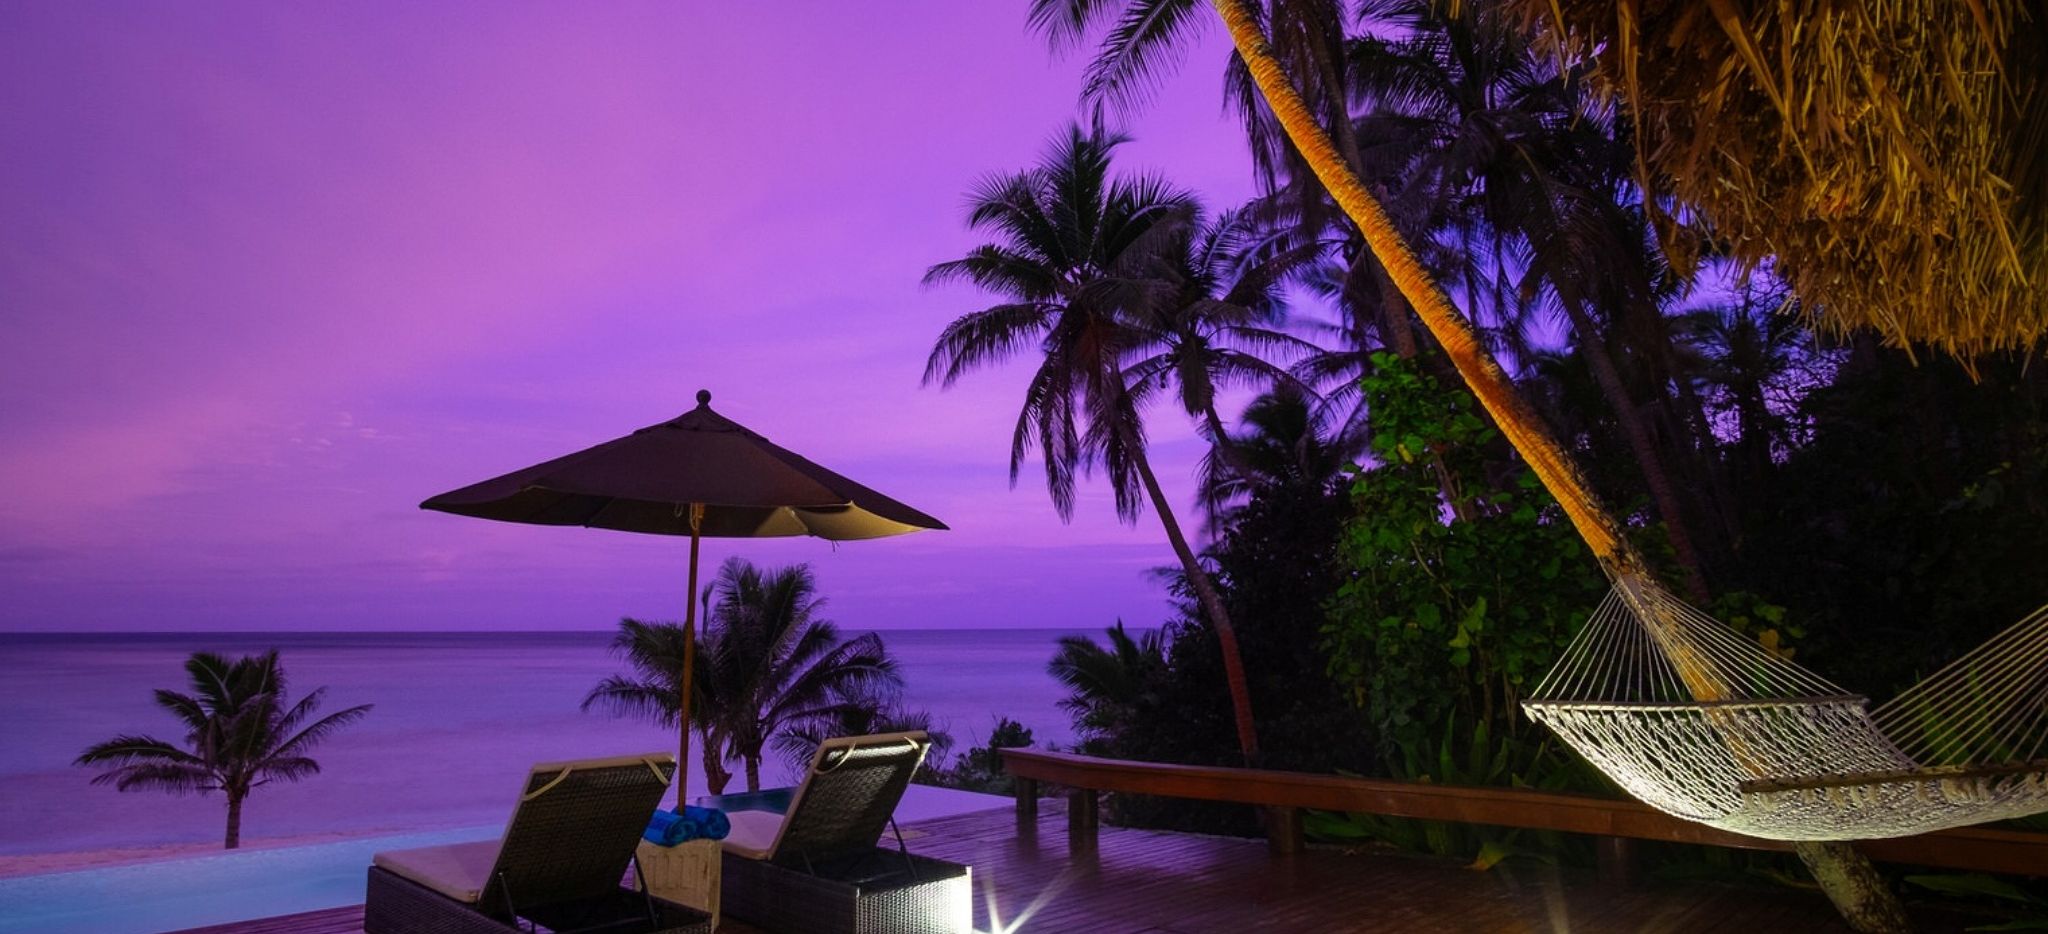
pixel 1884 156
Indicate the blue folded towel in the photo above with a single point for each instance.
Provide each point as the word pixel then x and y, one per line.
pixel 668 828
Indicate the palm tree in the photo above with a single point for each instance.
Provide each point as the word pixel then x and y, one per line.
pixel 653 688
pixel 1848 877
pixel 1077 260
pixel 241 733
pixel 1279 446
pixel 767 663
pixel 1219 326
pixel 1105 684
pixel 773 664
pixel 1141 39
pixel 799 741
pixel 1755 361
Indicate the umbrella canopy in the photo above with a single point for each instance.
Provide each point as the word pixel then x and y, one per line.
pixel 699 474
pixel 645 482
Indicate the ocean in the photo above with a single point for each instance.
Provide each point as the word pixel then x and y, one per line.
pixel 458 719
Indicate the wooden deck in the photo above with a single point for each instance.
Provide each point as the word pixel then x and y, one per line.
pixel 1169 883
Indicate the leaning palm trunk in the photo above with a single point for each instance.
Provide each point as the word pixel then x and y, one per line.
pixel 1844 874
pixel 1212 606
pixel 1655 476
pixel 1460 342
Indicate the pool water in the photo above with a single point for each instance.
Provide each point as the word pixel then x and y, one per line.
pixel 169 895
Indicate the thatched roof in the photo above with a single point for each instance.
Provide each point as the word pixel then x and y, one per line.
pixel 1884 156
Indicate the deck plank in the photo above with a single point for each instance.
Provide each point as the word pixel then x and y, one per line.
pixel 1156 882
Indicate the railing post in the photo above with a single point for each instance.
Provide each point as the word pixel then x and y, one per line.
pixel 1027 800
pixel 1283 831
pixel 1616 856
pixel 1082 818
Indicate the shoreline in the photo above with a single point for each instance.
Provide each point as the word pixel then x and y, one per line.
pixel 35 864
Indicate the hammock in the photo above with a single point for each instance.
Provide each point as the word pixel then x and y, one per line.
pixel 1702 722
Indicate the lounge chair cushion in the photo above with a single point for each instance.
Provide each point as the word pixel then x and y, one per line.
pixel 753 833
pixel 457 870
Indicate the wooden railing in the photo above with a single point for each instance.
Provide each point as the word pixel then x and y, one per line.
pixel 1282 795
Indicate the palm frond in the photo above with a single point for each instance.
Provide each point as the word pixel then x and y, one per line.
pixel 160 776
pixel 1141 49
pixel 623 696
pixel 287 769
pixel 130 748
pixel 316 732
pixel 1066 23
pixel 985 338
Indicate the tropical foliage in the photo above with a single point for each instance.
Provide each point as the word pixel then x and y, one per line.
pixel 980 768
pixel 864 716
pixel 1106 684
pixel 1874 511
pixel 241 731
pixel 1440 620
pixel 770 670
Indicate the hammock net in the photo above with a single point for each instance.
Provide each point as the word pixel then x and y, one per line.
pixel 1705 723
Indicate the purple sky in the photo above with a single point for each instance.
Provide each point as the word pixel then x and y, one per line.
pixel 272 274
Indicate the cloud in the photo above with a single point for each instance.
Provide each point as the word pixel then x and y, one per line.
pixel 275 274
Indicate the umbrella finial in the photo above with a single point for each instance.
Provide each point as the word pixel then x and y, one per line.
pixel 703 397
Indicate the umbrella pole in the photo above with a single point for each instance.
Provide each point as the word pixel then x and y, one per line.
pixel 689 661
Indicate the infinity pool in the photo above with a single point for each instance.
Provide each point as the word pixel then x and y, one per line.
pixel 169 895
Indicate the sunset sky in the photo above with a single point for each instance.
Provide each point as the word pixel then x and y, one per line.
pixel 272 274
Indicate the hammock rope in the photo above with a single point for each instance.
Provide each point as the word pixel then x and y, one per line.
pixel 1700 721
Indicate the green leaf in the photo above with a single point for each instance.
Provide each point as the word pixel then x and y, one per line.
pixel 1490 854
pixel 1971 885
pixel 1475 618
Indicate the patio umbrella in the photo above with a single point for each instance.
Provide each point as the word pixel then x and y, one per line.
pixel 699 474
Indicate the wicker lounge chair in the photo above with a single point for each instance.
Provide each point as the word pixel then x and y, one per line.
pixel 558 865
pixel 817 868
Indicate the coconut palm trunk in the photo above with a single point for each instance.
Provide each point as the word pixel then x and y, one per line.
pixel 1394 318
pixel 234 838
pixel 1210 600
pixel 716 775
pixel 1648 461
pixel 1845 875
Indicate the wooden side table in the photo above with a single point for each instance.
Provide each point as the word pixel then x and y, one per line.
pixel 687 873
